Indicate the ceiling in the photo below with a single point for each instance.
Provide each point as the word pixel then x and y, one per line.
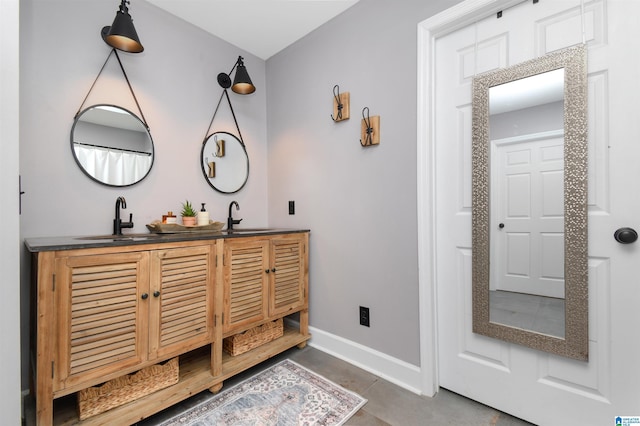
pixel 261 27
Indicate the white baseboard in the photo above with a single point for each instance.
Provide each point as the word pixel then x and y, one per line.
pixel 398 372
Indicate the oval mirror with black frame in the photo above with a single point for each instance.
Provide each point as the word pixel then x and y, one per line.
pixel 529 218
pixel 225 163
pixel 112 145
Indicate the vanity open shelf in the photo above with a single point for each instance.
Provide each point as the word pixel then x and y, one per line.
pixel 107 311
pixel 195 376
pixel 232 365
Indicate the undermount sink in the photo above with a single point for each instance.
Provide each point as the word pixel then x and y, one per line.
pixel 123 237
pixel 249 230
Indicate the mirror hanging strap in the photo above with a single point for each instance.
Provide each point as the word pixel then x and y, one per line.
pixel 114 52
pixel 224 93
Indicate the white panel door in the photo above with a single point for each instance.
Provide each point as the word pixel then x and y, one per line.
pixel 527 251
pixel 539 387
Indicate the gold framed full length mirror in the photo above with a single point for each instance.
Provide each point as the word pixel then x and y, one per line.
pixel 529 207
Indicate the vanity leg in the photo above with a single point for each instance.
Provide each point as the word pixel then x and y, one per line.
pixel 44 342
pixel 304 327
pixel 304 322
pixel 44 409
pixel 216 388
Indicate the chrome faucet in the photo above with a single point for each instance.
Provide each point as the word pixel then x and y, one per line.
pixel 230 220
pixel 118 224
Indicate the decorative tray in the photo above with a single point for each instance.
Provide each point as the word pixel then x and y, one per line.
pixel 174 228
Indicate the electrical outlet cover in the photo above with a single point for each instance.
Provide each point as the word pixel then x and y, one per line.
pixel 364 316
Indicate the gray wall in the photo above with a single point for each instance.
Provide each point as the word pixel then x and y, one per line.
pixel 174 80
pixel 110 136
pixel 360 203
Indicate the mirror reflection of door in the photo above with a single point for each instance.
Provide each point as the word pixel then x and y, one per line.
pixel 526 118
pixel 527 271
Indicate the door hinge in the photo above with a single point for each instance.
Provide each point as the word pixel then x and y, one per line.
pixel 215 320
pixel 223 318
pixel 53 282
pixel 53 363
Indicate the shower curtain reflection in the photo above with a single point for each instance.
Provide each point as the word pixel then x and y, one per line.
pixel 119 168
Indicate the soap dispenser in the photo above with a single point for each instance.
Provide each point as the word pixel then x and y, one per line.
pixel 203 216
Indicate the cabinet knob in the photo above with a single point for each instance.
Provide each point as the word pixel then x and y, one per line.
pixel 144 296
pixel 273 270
pixel 267 271
pixel 156 293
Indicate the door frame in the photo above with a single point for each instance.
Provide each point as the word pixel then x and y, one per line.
pixel 446 22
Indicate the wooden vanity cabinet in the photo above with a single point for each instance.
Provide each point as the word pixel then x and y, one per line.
pixel 121 310
pixel 182 285
pixel 264 279
pixel 244 266
pixel 288 275
pixel 103 312
pixel 100 320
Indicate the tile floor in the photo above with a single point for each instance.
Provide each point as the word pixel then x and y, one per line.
pixel 387 404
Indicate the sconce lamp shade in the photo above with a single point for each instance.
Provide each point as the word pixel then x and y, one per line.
pixel 242 82
pixel 122 34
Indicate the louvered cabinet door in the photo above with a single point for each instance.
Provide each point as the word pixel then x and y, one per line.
pixel 288 277
pixel 245 283
pixel 181 293
pixel 101 316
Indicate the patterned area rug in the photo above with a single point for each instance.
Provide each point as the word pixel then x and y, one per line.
pixel 284 394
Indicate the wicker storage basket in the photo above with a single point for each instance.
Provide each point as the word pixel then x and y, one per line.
pixel 119 391
pixel 252 338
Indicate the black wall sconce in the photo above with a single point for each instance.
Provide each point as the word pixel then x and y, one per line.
pixel 223 157
pixel 241 83
pixel 122 34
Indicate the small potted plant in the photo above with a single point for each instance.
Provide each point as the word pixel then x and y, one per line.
pixel 188 214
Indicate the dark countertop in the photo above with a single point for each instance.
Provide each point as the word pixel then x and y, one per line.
pixel 93 241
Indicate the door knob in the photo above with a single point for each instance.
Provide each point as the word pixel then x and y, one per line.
pixel 625 235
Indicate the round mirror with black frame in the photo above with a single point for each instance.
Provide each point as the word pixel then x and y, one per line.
pixel 225 163
pixel 112 145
